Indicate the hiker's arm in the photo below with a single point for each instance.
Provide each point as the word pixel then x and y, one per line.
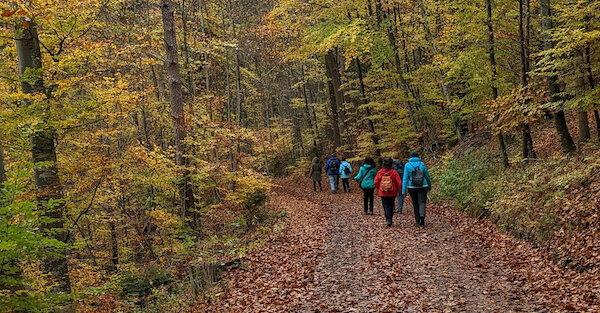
pixel 377 180
pixel 359 175
pixel 427 177
pixel 397 179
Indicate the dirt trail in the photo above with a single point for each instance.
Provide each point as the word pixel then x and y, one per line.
pixel 332 258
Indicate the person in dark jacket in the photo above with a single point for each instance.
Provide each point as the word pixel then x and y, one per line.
pixel 366 178
pixel 398 165
pixel 388 183
pixel 315 173
pixel 418 194
pixel 332 167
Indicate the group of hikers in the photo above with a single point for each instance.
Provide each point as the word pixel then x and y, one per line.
pixel 394 180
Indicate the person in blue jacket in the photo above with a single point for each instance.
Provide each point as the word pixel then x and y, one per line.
pixel 332 167
pixel 366 177
pixel 414 171
pixel 345 172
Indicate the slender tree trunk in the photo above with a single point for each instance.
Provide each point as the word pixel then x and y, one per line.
pixel 363 93
pixel 114 259
pixel 592 83
pixel 560 121
pixel 177 111
pixel 238 75
pixel 43 151
pixel 492 54
pixel 2 165
pixel 333 82
pixel 527 142
pixel 307 110
pixel 186 50
pixel 406 88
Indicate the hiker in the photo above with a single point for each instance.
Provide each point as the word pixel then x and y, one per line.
pixel 315 173
pixel 366 179
pixel 332 167
pixel 417 182
pixel 345 172
pixel 398 165
pixel 388 183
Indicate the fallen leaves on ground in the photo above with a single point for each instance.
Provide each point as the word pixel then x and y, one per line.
pixel 331 258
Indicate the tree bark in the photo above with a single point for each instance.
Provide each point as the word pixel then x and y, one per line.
pixel 114 259
pixel 177 111
pixel 592 83
pixel 363 93
pixel 333 83
pixel 43 151
pixel 2 165
pixel 308 115
pixel 560 122
pixel 492 55
pixel 583 127
pixel 526 140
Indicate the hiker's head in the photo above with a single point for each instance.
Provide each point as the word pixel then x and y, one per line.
pixel 387 163
pixel 344 158
pixel 369 161
pixel 315 160
pixel 414 154
pixel 333 155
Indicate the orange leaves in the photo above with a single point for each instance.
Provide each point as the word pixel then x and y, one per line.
pixel 9 13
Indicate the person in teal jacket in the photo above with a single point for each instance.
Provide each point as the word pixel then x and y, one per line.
pixel 366 177
pixel 345 173
pixel 418 194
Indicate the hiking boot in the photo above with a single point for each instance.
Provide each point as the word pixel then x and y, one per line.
pixel 422 221
pixel 371 213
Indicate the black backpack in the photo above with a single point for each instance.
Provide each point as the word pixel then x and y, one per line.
pixel 347 170
pixel 399 167
pixel 418 176
pixel 334 166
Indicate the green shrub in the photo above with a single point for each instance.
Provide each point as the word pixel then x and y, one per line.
pixel 472 181
pixel 142 284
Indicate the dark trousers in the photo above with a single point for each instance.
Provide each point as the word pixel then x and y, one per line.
pixel 419 199
pixel 368 199
pixel 346 184
pixel 388 208
pixel 315 185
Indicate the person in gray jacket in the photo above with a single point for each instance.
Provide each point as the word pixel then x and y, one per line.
pixel 316 173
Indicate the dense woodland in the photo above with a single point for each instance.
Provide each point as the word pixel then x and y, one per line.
pixel 137 136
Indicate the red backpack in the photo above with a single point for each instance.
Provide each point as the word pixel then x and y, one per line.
pixel 387 184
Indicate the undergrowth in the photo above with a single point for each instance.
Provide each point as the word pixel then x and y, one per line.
pixel 553 202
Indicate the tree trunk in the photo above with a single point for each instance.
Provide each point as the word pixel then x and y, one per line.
pixel 43 151
pixel 307 112
pixel 526 140
pixel 114 258
pixel 560 121
pixel 584 127
pixel 592 83
pixel 408 91
pixel 492 54
pixel 2 165
pixel 177 112
pixel 333 83
pixel 363 93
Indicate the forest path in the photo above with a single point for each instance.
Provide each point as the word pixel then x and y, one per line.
pixel 332 258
